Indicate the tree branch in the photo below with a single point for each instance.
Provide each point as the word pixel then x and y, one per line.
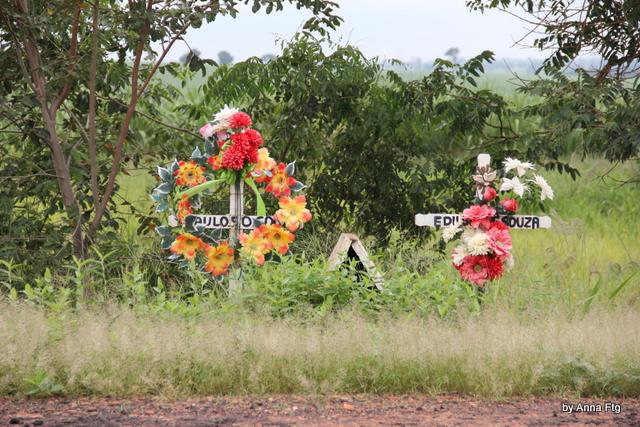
pixel 73 50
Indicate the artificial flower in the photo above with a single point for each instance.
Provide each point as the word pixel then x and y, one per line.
pixel 189 174
pixel 484 177
pixel 479 215
pixel 233 158
pixel 277 237
pixel 222 118
pixel 489 194
pixel 207 130
pixel 509 205
pixel 458 255
pixel 280 182
pixel 239 120
pixel 219 258
pixel 184 208
pixel 293 213
pixel 187 245
pixel 476 242
pixel 546 192
pixel 262 169
pixel 514 185
pixel 499 242
pixel 478 269
pixel 450 232
pixel 215 161
pixel 254 245
pixel 254 137
pixel 222 138
pixel 520 167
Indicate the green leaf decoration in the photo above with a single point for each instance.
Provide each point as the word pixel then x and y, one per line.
pixel 297 186
pixel 162 206
pixel 261 210
pixel 196 154
pixel 167 242
pixel 165 175
pixel 163 231
pixel 291 168
pixel 200 188
pixel 164 188
pixel 174 166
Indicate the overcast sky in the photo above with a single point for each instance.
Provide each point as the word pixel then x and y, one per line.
pixel 402 29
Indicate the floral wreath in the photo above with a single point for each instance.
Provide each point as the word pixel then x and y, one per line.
pixel 485 249
pixel 232 152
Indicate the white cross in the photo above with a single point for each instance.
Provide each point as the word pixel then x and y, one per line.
pixel 519 222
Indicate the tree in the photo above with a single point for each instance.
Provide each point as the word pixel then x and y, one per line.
pixel 72 74
pixel 608 28
pixel 225 58
pixel 597 111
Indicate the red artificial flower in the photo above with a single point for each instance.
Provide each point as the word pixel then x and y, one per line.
pixel 509 205
pixel 478 269
pixel 490 193
pixel 239 120
pixel 479 215
pixel 254 137
pixel 233 158
pixel 498 225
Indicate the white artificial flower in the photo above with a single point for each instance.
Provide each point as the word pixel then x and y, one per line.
pixel 508 263
pixel 450 232
pixel 514 185
pixel 520 167
pixel 458 255
pixel 173 221
pixel 477 242
pixel 546 192
pixel 221 118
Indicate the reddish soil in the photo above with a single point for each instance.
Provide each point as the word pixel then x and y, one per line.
pixel 311 411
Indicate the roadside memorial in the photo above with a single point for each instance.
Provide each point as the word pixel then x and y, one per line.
pixel 233 155
pixel 350 248
pixel 484 252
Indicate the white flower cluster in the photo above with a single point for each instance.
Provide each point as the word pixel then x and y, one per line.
pixel 221 119
pixel 519 187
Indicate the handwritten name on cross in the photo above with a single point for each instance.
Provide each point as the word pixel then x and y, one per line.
pixel 518 222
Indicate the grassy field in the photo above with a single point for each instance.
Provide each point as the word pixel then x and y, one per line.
pixel 563 322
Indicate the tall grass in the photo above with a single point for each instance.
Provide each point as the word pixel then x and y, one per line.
pixel 119 352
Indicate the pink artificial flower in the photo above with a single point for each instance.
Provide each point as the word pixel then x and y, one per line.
pixel 222 137
pixel 509 205
pixel 489 194
pixel 207 130
pixel 478 269
pixel 479 215
pixel 500 241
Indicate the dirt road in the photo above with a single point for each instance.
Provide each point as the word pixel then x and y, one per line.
pixel 316 411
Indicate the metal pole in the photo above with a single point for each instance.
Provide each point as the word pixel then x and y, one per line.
pixel 236 202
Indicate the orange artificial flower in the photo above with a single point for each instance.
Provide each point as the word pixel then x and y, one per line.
pixel 278 237
pixel 265 164
pixel 190 174
pixel 293 213
pixel 184 208
pixel 219 258
pixel 187 244
pixel 280 182
pixel 254 245
pixel 215 161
